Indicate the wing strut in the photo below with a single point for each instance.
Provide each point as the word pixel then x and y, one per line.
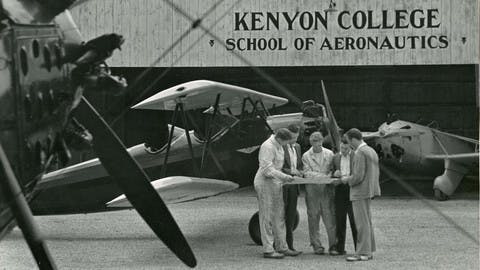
pixel 208 131
pixel 255 110
pixel 23 215
pixel 189 140
pixel 179 110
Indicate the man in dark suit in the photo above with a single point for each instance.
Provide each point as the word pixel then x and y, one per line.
pixel 364 185
pixel 292 166
pixel 343 166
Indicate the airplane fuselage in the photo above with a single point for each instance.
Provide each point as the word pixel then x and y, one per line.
pixel 405 147
pixel 89 187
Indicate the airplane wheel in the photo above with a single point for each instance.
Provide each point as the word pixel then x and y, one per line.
pixel 254 227
pixel 439 195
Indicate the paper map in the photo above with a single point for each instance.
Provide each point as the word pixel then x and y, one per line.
pixel 314 180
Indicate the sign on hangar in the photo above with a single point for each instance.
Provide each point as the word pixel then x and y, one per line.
pixel 289 33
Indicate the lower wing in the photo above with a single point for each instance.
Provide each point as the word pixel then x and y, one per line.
pixel 175 189
pixel 461 157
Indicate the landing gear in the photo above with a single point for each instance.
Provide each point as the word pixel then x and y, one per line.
pixel 254 227
pixel 439 195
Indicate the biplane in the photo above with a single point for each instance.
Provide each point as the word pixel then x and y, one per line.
pixel 232 118
pixel 223 109
pixel 217 119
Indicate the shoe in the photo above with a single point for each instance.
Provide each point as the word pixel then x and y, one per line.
pixel 273 255
pixel 342 252
pixel 356 258
pixel 353 258
pixel 366 258
pixel 290 252
pixel 296 250
pixel 333 252
pixel 320 251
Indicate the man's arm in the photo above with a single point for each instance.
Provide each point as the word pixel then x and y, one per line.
pixel 266 167
pixel 359 165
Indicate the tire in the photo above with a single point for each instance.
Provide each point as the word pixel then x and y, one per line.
pixel 254 227
pixel 439 195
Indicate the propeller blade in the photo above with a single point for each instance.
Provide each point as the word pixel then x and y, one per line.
pixel 23 215
pixel 134 183
pixel 332 126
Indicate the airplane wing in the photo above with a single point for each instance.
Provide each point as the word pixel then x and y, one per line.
pixel 380 134
pixel 176 189
pixel 468 140
pixel 202 93
pixel 249 150
pixel 370 135
pixel 462 157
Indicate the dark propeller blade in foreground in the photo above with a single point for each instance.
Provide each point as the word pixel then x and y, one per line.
pixel 332 123
pixel 23 215
pixel 133 181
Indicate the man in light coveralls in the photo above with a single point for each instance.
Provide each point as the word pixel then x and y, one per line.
pixel 319 198
pixel 268 185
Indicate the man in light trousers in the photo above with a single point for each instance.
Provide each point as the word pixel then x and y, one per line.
pixel 364 185
pixel 319 198
pixel 268 185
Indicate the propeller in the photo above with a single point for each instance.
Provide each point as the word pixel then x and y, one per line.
pixel 133 181
pixel 23 215
pixel 332 126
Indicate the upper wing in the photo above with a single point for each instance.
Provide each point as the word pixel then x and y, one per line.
pixel 380 134
pixel 462 157
pixel 177 189
pixel 370 135
pixel 202 94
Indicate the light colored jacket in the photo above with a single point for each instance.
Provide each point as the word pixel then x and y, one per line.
pixel 364 181
pixel 317 165
pixel 270 163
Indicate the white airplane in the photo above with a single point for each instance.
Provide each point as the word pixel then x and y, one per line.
pixel 226 109
pixel 416 150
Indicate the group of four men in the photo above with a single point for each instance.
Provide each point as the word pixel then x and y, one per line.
pixel 356 183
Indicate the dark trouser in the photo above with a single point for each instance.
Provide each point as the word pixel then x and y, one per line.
pixel 290 195
pixel 343 207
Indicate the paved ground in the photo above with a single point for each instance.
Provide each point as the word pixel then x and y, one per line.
pixel 409 236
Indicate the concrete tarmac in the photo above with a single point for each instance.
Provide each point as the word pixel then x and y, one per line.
pixel 409 236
